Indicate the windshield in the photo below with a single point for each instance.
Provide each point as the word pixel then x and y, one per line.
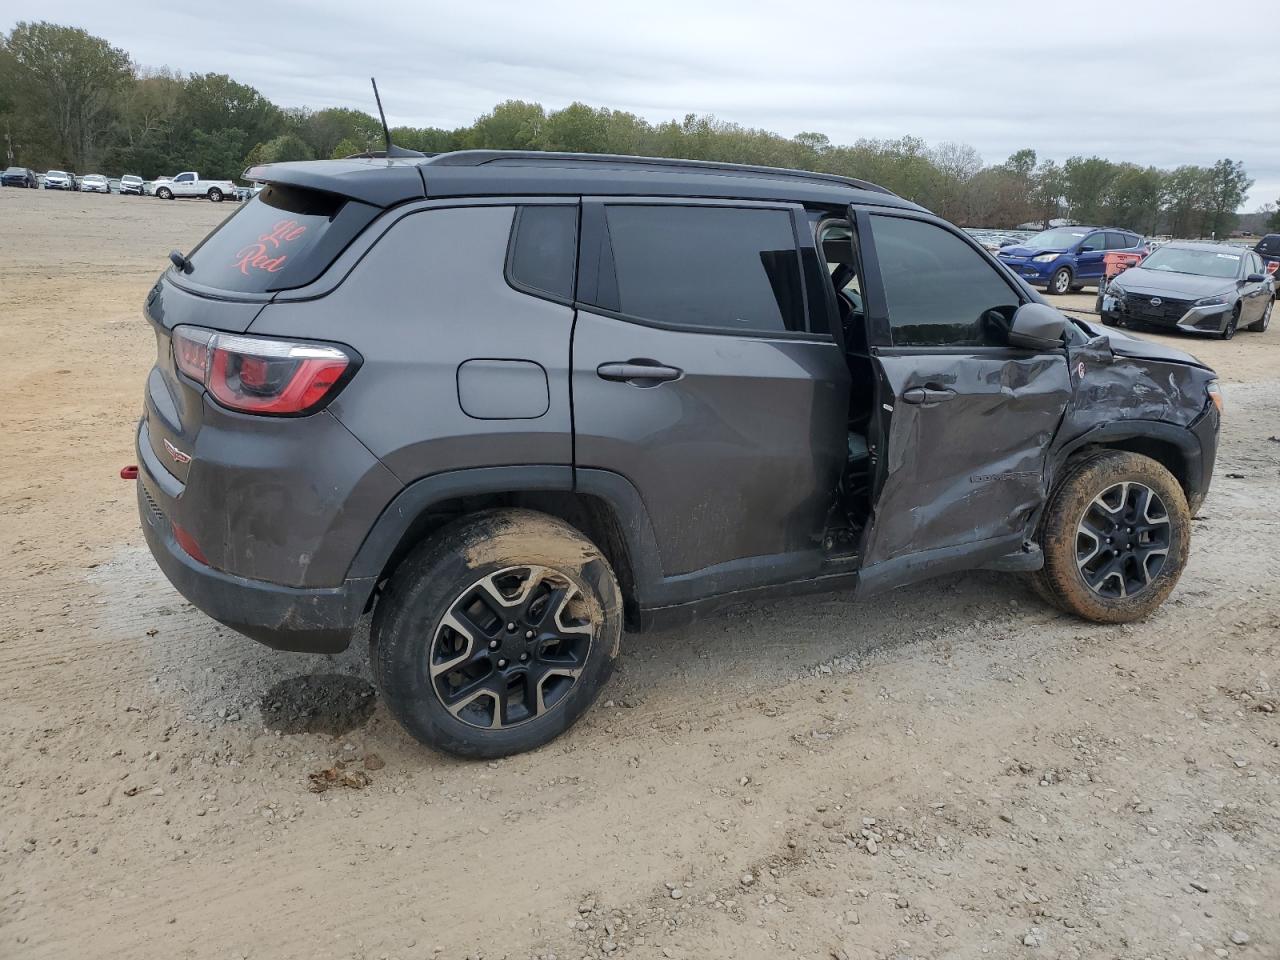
pixel 1202 263
pixel 56 173
pixel 130 179
pixel 1059 238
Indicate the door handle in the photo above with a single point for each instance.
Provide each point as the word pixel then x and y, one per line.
pixel 642 373
pixel 927 395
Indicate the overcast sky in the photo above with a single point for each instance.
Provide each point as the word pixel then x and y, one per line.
pixel 1161 83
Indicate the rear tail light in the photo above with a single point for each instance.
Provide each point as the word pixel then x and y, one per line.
pixel 258 375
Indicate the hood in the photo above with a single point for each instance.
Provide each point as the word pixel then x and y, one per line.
pixel 1018 251
pixel 1123 345
pixel 1182 286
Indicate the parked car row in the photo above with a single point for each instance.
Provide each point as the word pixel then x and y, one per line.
pixel 186 184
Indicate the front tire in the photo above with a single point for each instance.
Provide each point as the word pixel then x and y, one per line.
pixel 1115 537
pixel 164 193
pixel 1260 325
pixel 1233 321
pixel 1060 282
pixel 495 635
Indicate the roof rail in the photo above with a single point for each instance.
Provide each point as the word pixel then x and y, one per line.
pixel 476 158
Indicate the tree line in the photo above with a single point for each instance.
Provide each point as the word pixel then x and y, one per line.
pixel 72 100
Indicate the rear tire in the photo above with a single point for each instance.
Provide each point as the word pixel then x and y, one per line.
pixel 1115 537
pixel 1260 325
pixel 215 195
pixel 496 634
pixel 1060 282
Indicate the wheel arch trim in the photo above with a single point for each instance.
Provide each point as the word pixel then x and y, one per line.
pixel 394 529
pixel 1175 447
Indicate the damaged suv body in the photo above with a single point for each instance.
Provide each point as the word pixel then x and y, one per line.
pixel 510 402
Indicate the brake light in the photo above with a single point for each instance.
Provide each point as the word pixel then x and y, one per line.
pixel 260 375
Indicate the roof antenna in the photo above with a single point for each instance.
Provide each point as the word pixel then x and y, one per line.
pixel 392 149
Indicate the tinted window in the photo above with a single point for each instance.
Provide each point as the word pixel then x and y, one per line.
pixel 545 249
pixel 940 291
pixel 284 237
pixel 1117 241
pixel 1269 245
pixel 1095 241
pixel 729 268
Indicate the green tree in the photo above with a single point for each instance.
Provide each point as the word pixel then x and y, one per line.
pixel 1226 187
pixel 1022 163
pixel 1048 186
pixel 1134 198
pixel 287 146
pixel 512 125
pixel 325 129
pixel 1087 181
pixel 66 82
pixel 1186 199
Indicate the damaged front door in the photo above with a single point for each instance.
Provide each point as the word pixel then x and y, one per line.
pixel 970 418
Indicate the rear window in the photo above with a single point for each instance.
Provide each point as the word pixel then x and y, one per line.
pixel 1269 245
pixel 544 250
pixel 285 237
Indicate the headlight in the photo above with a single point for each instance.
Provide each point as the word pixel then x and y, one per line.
pixel 1215 394
pixel 1212 302
pixel 1114 289
pixel 1046 257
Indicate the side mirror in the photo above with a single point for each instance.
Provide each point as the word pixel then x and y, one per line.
pixel 1256 278
pixel 1037 326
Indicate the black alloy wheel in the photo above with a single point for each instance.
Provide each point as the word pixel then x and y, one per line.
pixel 1122 540
pixel 510 647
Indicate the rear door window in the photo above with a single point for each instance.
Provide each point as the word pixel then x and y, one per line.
pixel 283 238
pixel 733 269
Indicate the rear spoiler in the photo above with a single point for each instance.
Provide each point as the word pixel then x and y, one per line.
pixel 380 182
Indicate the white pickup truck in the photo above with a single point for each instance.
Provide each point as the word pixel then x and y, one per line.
pixel 189 184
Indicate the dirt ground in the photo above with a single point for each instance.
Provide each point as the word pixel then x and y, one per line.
pixel 950 771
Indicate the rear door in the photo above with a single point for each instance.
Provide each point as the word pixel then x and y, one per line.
pixel 970 418
pixel 699 377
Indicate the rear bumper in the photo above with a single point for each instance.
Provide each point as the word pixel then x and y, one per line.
pixel 307 620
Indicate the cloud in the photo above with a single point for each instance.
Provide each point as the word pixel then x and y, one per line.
pixel 1166 85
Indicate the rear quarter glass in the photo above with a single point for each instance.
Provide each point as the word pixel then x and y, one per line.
pixel 283 238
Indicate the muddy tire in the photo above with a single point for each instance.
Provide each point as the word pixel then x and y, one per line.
pixel 1115 537
pixel 496 634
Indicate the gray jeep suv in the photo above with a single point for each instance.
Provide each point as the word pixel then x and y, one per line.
pixel 509 403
